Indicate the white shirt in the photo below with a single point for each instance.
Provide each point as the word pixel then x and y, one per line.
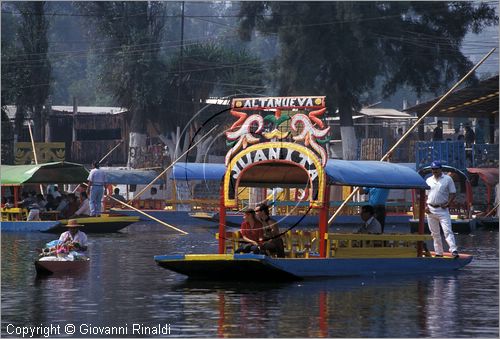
pixel 84 208
pixel 440 189
pixel 79 237
pixel 97 177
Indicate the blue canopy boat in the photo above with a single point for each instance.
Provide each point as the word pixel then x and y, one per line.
pixel 298 160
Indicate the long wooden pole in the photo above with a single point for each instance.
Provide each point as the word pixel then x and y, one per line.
pixel 172 164
pixel 107 154
pixel 34 150
pixel 147 215
pixel 492 210
pixel 404 136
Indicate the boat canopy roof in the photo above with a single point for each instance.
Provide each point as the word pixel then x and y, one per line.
pixel 454 172
pixel 488 174
pixel 339 172
pixel 129 176
pixel 49 173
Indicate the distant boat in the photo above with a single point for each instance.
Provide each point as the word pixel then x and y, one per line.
pixel 103 224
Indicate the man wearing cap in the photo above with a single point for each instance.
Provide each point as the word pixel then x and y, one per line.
pixel 439 197
pixel 97 181
pixel 73 236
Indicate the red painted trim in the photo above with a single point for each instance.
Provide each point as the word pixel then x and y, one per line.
pixel 323 222
pixel 222 221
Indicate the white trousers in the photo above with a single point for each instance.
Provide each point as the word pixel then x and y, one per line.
pixel 441 216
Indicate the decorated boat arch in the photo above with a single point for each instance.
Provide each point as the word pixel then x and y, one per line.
pixel 281 141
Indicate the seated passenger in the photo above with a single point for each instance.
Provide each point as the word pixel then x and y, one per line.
pixel 84 210
pixel 371 224
pixel 273 243
pixel 251 232
pixel 117 195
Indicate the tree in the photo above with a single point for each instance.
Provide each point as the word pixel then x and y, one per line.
pixel 30 69
pixel 341 48
pixel 131 67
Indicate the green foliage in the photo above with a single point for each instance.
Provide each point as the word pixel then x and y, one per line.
pixel 26 67
pixel 340 48
pixel 131 67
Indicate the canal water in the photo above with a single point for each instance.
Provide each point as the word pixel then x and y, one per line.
pixel 124 290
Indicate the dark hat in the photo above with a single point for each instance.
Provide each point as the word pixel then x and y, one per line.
pixel 436 164
pixel 249 210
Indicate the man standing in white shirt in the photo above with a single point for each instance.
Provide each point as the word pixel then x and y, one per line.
pixel 439 197
pixel 97 182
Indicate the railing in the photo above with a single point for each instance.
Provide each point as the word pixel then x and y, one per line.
pixel 13 214
pixel 305 244
pixel 342 245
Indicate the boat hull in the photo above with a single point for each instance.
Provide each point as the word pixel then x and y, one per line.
pixel 27 226
pixel 260 267
pixel 52 267
pixel 487 222
pixel 102 224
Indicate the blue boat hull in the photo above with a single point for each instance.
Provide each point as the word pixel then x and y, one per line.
pixel 27 226
pixel 260 267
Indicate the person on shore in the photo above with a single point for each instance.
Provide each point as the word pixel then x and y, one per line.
pixel 479 132
pixel 273 243
pixel 251 232
pixel 84 209
pixel 97 181
pixel 470 136
pixel 73 237
pixel 439 197
pixel 438 131
pixel 371 224
pixel 377 197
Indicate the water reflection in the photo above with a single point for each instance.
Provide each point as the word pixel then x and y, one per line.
pixel 123 286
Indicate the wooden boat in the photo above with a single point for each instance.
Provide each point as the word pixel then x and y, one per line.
pixel 51 267
pixel 256 160
pixel 14 219
pixel 489 176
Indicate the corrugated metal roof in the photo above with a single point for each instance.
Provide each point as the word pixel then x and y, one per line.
pixel 11 110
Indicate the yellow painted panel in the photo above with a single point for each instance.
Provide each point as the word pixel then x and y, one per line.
pixel 203 257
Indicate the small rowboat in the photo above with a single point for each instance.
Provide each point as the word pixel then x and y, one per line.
pixel 60 266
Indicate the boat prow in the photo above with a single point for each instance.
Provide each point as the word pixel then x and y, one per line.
pixel 45 267
pixel 103 224
pixel 261 267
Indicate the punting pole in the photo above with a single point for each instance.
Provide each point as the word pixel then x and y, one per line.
pixel 107 154
pixel 172 164
pixel 147 215
pixel 34 151
pixel 404 136
pixel 492 210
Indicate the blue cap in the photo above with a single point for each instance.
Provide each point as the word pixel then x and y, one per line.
pixel 436 164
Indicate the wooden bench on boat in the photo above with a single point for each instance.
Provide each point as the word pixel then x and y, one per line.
pixel 305 244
